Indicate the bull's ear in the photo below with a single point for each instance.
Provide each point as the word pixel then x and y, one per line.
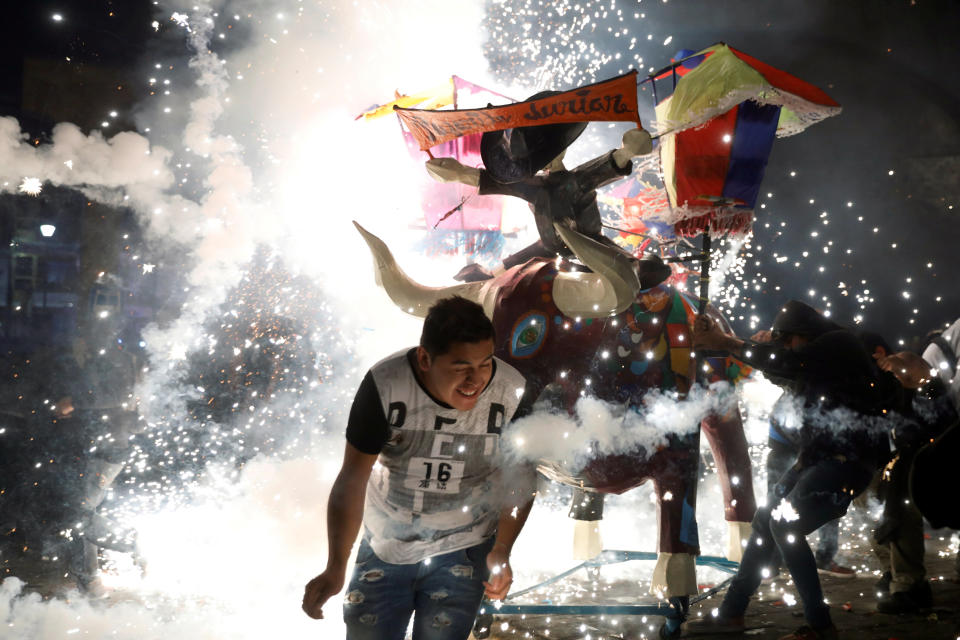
pixel 616 269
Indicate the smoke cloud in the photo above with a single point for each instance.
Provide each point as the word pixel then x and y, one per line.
pixel 602 428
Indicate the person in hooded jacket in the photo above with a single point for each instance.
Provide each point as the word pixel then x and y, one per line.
pixel 841 398
pixel 782 452
pixel 920 467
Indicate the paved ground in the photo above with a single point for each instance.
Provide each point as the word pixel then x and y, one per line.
pixel 770 617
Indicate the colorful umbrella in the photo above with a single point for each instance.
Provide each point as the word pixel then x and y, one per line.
pixel 717 130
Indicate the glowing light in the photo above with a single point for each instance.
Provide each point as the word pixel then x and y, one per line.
pixel 785 512
pixel 31 186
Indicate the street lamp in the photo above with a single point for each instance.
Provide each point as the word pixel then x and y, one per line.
pixel 47 230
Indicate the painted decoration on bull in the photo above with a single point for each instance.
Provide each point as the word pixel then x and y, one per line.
pixel 716 368
pixel 717 131
pixel 528 335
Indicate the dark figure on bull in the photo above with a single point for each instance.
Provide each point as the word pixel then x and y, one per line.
pixel 613 329
pixel 925 437
pixel 514 159
pixel 841 399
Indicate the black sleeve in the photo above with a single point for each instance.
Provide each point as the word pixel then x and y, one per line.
pixel 772 359
pixel 933 408
pixel 834 366
pixel 600 171
pixel 527 189
pixel 367 428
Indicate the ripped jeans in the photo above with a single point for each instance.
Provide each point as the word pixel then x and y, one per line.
pixel 801 502
pixel 443 593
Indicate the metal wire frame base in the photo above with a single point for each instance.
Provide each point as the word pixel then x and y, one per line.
pixel 604 558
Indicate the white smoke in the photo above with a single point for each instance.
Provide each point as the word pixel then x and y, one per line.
pixel 217 569
pixel 268 130
pixel 603 428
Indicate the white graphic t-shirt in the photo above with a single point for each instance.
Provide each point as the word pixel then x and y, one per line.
pixel 435 487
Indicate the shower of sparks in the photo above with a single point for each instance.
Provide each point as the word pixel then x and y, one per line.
pixel 31 186
pixel 568 43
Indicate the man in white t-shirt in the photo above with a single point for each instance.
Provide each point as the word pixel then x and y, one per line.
pixel 440 516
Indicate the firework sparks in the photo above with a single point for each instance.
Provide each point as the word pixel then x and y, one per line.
pixel 31 186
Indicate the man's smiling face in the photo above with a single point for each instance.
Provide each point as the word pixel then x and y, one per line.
pixel 458 376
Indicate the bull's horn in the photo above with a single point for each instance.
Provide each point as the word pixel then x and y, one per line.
pixel 411 296
pixel 613 287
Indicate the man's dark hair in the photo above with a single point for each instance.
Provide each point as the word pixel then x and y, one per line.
pixel 799 318
pixel 453 320
pixel 873 341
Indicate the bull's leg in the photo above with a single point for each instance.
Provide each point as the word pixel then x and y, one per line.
pixel 675 481
pixel 729 446
pixel 586 509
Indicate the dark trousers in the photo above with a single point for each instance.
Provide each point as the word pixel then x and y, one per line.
pixel 801 502
pixel 780 458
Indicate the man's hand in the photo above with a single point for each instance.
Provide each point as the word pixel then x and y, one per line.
pixel 451 170
pixel 764 335
pixel 637 142
pixel 319 590
pixel 910 369
pixel 64 407
pixel 501 575
pixel 708 335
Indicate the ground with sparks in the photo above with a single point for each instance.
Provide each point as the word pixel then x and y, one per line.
pixel 770 616
pixel 774 613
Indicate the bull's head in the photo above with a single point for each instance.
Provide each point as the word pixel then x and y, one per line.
pixel 610 287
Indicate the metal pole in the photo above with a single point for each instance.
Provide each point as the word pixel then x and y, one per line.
pixel 704 275
pixel 681 604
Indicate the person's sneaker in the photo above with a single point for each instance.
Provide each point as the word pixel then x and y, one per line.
pixel 913 600
pixel 837 571
pixel 883 584
pixel 711 624
pixel 809 633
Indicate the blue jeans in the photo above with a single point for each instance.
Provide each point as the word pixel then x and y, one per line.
pixel 800 503
pixel 443 593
